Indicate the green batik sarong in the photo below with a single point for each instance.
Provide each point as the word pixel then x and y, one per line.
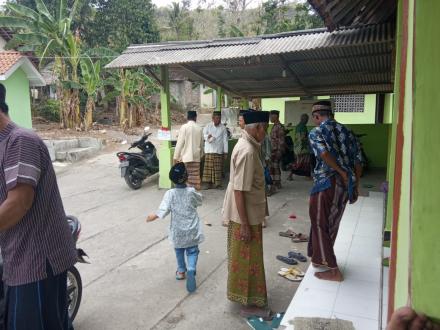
pixel 246 278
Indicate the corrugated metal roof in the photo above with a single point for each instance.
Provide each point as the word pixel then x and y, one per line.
pixel 270 65
pixel 185 52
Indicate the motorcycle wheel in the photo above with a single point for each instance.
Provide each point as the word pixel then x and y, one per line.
pixel 132 181
pixel 74 291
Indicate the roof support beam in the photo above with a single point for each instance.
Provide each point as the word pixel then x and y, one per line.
pixel 315 76
pixel 293 73
pixel 208 79
pixel 154 76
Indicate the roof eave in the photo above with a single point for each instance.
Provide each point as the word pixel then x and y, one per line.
pixel 33 75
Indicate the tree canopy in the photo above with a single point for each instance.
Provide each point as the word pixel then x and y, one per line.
pixel 119 23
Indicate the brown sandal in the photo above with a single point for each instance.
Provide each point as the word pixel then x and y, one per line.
pixel 300 238
pixel 288 233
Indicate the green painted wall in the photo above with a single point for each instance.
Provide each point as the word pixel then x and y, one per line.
pixel 18 98
pixel 426 158
pixel 375 143
pixel 366 117
pixel 388 109
pixel 278 103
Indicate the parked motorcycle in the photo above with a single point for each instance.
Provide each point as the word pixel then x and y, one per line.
pixel 136 167
pixel 74 282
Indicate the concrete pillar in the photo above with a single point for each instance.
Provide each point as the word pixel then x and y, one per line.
pixel 165 150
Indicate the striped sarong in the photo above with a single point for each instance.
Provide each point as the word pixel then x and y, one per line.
pixel 193 169
pixel 212 171
pixel 246 277
pixel 326 210
pixel 275 172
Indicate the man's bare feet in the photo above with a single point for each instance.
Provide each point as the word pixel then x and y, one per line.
pixel 330 275
pixel 406 318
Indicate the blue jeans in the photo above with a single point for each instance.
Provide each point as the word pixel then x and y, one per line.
pixel 192 254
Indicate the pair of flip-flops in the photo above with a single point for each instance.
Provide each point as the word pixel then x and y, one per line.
pixel 296 237
pixel 292 258
pixel 292 274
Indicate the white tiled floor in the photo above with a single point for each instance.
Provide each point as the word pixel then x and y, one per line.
pixel 359 252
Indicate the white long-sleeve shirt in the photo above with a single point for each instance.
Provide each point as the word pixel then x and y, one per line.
pixel 189 147
pixel 218 142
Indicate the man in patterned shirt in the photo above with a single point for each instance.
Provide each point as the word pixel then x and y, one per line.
pixel 36 243
pixel 277 139
pixel 337 173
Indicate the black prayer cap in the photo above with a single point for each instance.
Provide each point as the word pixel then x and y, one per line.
pixel 274 112
pixel 253 117
pixel 178 173
pixel 217 113
pixel 191 114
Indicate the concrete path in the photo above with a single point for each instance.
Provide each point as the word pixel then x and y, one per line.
pixel 130 283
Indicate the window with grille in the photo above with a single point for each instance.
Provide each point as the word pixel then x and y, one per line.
pixel 349 103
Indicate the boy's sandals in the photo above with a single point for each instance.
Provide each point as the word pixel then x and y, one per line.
pixel 180 276
pixel 300 238
pixel 191 281
pixel 290 274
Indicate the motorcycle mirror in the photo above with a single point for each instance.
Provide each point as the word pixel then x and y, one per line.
pixel 146 129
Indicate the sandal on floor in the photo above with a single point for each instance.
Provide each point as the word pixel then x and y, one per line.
pixel 180 276
pixel 294 271
pixel 289 276
pixel 288 233
pixel 300 238
pixel 297 255
pixel 287 260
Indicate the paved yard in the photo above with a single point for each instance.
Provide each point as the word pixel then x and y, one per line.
pixel 130 283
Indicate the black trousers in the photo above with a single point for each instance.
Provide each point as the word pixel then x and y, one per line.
pixel 41 305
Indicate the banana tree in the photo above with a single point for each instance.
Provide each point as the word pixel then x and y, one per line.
pixel 91 83
pixel 133 90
